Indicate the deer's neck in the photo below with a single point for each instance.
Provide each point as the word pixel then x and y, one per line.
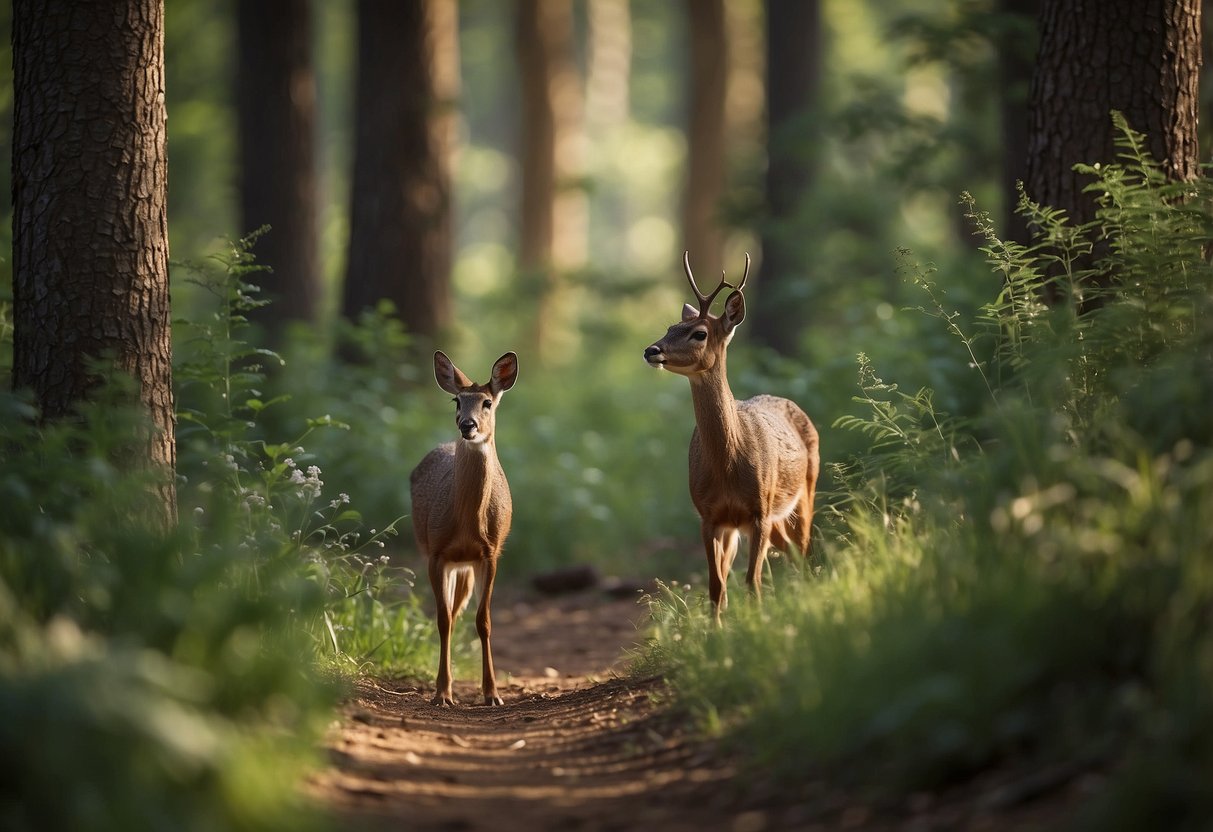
pixel 475 468
pixel 716 414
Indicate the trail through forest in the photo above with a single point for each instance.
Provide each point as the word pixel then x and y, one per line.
pixel 579 745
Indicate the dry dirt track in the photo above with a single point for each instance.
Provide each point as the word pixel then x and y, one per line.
pixel 578 746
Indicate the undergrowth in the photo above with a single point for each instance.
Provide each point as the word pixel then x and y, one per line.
pixel 179 679
pixel 1027 583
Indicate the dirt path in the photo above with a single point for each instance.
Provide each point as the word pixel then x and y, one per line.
pixel 577 746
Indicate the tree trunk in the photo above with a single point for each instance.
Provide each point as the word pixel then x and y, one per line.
pixel 609 63
pixel 90 227
pixel 1142 59
pixel 708 43
pixel 401 206
pixel 553 221
pixel 782 289
pixel 1016 47
pixel 276 103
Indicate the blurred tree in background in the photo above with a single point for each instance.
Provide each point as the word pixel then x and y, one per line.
pixel 276 102
pixel 706 132
pixel 793 78
pixel 401 202
pixel 552 216
pixel 1015 40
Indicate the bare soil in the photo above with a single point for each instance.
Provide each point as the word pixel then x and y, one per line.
pixel 580 745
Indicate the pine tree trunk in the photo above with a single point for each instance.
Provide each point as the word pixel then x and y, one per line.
pixel 554 216
pixel 401 238
pixel 90 228
pixel 1142 59
pixel 1015 51
pixel 703 190
pixel 781 290
pixel 276 102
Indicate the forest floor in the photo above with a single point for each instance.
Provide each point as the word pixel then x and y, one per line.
pixel 581 745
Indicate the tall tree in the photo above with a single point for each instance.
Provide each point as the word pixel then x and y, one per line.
pixel 90 226
pixel 608 63
pixel 553 217
pixel 400 216
pixel 276 103
pixel 1142 59
pixel 793 78
pixel 1014 41
pixel 702 233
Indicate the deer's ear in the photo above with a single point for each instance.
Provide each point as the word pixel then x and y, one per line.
pixel 505 373
pixel 689 313
pixel 734 310
pixel 449 377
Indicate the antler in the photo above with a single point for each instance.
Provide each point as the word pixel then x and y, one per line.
pixel 705 301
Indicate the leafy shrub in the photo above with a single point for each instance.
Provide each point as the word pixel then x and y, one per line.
pixel 1023 582
pixel 281 515
pixel 169 679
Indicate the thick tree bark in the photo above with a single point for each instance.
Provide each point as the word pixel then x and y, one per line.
pixel 276 101
pixel 1142 59
pixel 553 217
pixel 401 211
pixel 90 228
pixel 703 235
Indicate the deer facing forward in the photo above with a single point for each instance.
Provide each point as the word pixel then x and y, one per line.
pixel 754 463
pixel 462 511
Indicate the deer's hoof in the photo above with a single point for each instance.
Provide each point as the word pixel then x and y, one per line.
pixel 443 700
pixel 493 699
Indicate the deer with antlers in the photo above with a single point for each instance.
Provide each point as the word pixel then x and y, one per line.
pixel 753 463
pixel 462 511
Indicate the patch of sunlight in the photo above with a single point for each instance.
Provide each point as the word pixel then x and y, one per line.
pixel 925 214
pixel 854 34
pixel 483 169
pixel 927 93
pixel 651 243
pixel 482 268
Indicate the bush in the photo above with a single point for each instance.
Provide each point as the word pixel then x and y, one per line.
pixel 1022 583
pixel 178 679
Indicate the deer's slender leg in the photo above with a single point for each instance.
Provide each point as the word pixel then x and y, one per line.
pixel 720 546
pixel 443 613
pixel 487 570
pixel 760 542
pixel 717 570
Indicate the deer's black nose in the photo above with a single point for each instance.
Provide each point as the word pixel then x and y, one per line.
pixel 467 426
pixel 651 351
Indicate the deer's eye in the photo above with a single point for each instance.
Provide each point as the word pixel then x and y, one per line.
pixel 487 404
pixel 699 335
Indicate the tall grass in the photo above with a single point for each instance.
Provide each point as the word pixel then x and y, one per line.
pixel 1028 582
